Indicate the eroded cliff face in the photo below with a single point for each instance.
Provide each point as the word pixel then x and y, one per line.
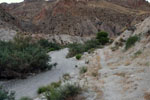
pixel 80 17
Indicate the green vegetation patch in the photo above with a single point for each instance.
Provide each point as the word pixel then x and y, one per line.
pixel 49 87
pixel 49 45
pixel 63 92
pixel 78 56
pixel 22 56
pixel 131 41
pixel 102 37
pixel 83 70
pixel 139 52
pixel 26 98
pixel 5 95
pixel 78 48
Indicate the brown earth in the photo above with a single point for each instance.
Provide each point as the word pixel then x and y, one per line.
pixel 78 17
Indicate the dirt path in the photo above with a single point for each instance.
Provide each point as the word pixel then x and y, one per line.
pixel 123 82
pixel 112 88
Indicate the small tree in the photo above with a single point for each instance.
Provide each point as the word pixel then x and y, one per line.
pixel 102 37
pixel 131 41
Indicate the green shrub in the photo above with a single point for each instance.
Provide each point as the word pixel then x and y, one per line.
pixel 78 48
pixel 26 98
pixel 51 49
pixel 49 87
pixel 42 89
pixel 131 41
pixel 138 53
pixel 75 49
pixel 114 48
pixel 22 56
pixel 102 37
pixel 94 74
pixel 83 70
pixel 91 44
pixel 63 92
pixel 78 56
pixel 5 95
pixel 49 45
pixel 56 84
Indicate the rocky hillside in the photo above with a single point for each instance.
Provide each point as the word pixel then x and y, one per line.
pixel 7 20
pixel 136 4
pixel 8 25
pixel 80 17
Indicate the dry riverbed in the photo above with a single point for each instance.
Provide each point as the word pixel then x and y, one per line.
pixel 106 78
pixel 28 87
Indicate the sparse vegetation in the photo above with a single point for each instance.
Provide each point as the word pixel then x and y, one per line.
pixel 77 48
pixel 88 46
pixel 20 57
pixel 78 56
pixel 114 48
pixel 26 98
pixel 63 92
pixel 138 53
pixel 83 70
pixel 5 95
pixel 94 74
pixel 131 41
pixel 91 50
pixel 49 87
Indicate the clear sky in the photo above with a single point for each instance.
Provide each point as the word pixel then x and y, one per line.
pixel 14 1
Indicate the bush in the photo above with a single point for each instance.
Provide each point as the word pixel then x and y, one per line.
pixel 83 70
pixel 91 44
pixel 20 57
pixel 26 98
pixel 95 74
pixel 78 56
pixel 139 52
pixel 102 37
pixel 49 45
pixel 42 89
pixel 63 92
pixel 131 41
pixel 4 95
pixel 49 87
pixel 75 49
pixel 78 48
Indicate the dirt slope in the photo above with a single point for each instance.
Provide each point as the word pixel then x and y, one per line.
pixel 79 17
